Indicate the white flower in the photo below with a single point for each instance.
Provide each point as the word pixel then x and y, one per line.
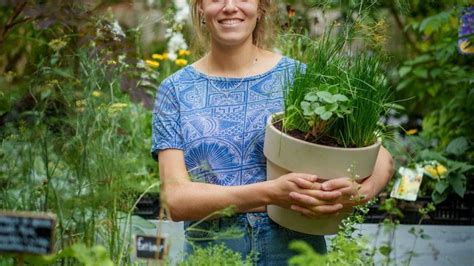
pixel 177 42
pixel 168 33
pixel 182 11
pixel 140 64
pixel 117 30
pixel 172 55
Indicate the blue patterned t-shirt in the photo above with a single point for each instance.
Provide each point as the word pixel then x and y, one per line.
pixel 218 122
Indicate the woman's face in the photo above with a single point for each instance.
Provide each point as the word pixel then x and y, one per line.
pixel 230 22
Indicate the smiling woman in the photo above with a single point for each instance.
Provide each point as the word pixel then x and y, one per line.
pixel 263 30
pixel 208 131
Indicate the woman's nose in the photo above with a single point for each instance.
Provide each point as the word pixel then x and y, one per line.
pixel 229 5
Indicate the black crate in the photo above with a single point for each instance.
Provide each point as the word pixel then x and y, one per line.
pixel 454 211
pixel 148 207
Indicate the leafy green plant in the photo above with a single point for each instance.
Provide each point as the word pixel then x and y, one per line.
pixel 321 105
pixel 444 174
pixel 437 75
pixel 215 255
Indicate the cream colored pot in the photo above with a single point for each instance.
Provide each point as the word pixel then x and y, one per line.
pixel 286 154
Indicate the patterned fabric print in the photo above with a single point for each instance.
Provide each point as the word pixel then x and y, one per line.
pixel 219 123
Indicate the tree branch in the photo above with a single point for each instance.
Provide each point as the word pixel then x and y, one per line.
pixel 402 28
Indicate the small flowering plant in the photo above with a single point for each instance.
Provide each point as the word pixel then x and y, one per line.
pixel 160 66
pixel 442 175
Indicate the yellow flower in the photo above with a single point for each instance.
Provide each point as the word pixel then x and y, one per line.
pixel 465 48
pixel 437 171
pixel 181 62
pixel 152 63
pixel 96 93
pixel 184 52
pixel 57 44
pixel 80 103
pixel 412 132
pixel 157 56
pixel 165 56
pixel 118 106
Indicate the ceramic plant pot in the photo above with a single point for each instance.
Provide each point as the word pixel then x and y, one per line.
pixel 286 154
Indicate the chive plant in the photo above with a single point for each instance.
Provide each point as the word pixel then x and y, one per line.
pixel 336 95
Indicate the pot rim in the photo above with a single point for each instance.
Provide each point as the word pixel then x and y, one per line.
pixel 269 123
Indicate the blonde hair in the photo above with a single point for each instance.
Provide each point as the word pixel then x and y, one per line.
pixel 263 34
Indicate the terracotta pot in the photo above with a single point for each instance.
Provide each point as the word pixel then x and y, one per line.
pixel 286 154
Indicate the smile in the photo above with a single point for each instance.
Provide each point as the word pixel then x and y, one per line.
pixel 233 21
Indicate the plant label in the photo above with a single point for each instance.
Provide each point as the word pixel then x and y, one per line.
pixel 26 232
pixel 150 247
pixel 407 186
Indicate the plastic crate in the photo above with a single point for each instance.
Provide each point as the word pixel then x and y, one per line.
pixel 454 211
pixel 148 207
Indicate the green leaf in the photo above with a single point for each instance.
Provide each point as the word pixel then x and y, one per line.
pixel 457 146
pixel 458 182
pixel 404 70
pixel 340 98
pixel 438 197
pixel 320 110
pixel 403 84
pixel 420 59
pixel 326 115
pixel 434 23
pixel 332 107
pixel 311 97
pixel 421 72
pixel 441 186
pixel 325 96
pixel 385 250
pixel 306 107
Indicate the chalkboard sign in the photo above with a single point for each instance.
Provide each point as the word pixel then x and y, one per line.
pixel 150 247
pixel 26 232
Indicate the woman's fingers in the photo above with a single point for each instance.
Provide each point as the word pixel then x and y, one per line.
pixel 304 199
pixel 337 183
pixel 325 195
pixel 307 177
pixel 304 183
pixel 314 198
pixel 319 211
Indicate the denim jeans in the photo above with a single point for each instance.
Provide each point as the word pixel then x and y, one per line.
pixel 261 235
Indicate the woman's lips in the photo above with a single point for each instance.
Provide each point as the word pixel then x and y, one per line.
pixel 230 22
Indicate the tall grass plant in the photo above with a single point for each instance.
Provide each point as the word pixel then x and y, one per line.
pixel 359 76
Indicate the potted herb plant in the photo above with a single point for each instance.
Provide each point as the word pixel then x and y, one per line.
pixel 330 124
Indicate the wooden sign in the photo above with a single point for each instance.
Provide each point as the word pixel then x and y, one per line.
pixel 26 232
pixel 150 247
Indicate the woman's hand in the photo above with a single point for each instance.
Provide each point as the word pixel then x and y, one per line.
pixel 359 192
pixel 302 193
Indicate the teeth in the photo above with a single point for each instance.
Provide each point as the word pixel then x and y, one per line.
pixel 230 21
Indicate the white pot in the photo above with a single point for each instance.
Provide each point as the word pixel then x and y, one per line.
pixel 286 154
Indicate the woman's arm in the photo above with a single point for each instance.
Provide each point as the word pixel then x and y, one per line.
pixel 187 200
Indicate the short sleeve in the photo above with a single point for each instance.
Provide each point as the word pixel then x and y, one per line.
pixel 166 128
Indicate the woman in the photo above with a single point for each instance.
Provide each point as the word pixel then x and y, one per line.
pixel 208 129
